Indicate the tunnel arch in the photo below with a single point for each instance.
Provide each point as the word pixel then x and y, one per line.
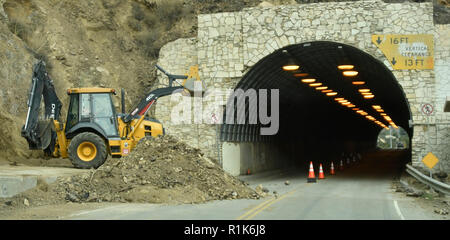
pixel 309 116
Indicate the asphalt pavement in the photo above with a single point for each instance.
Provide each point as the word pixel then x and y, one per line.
pixel 362 191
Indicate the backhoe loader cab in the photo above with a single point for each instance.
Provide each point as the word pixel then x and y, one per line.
pixel 94 129
pixel 91 123
pixel 91 109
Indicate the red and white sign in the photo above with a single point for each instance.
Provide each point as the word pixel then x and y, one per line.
pixel 214 119
pixel 427 109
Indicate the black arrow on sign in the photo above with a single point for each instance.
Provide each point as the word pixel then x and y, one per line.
pixel 393 61
pixel 378 40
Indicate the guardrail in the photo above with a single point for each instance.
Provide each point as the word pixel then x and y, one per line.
pixel 436 185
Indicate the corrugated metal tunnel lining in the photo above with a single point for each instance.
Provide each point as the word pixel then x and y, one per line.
pixel 309 115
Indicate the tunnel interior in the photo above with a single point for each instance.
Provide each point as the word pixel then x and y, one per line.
pixel 313 124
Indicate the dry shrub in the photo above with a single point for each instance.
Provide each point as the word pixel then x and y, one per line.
pixel 19 29
pixel 137 11
pixel 158 17
pixel 169 12
pixel 150 42
pixel 134 24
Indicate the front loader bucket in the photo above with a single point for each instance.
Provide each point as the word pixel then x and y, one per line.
pixel 195 87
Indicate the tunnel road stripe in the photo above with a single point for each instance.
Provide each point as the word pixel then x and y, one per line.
pixel 398 210
pixel 265 204
pixel 270 203
pixel 255 208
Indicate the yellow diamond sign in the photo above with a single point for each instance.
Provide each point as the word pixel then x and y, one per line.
pixel 430 160
pixel 413 51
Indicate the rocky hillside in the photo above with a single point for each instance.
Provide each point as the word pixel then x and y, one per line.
pixel 110 43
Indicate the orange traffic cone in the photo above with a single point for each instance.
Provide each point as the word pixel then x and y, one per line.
pixel 311 176
pixel 332 169
pixel 321 176
pixel 248 171
pixel 341 167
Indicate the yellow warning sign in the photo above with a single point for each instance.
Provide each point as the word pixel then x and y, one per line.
pixel 414 51
pixel 430 160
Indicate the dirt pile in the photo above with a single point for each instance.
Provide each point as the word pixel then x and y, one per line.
pixel 159 170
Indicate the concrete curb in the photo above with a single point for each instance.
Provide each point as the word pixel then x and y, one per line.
pixel 17 179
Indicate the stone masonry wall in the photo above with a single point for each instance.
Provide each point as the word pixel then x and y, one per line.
pixel 228 44
pixel 176 58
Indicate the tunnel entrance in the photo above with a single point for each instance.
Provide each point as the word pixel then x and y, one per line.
pixel 335 99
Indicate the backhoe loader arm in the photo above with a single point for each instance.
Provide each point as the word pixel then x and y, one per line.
pixel 38 131
pixel 146 103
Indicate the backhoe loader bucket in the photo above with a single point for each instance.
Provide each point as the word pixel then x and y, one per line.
pixel 41 137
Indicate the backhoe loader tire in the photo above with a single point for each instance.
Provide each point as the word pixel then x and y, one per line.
pixel 87 150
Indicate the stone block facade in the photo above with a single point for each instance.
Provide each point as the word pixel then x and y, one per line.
pixel 228 44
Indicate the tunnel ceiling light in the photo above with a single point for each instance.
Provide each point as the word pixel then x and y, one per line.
pixel 351 105
pixel 366 93
pixel 376 107
pixel 332 94
pixel 291 67
pixel 356 109
pixel 326 91
pixel 315 84
pixel 346 103
pixel 321 88
pixel 388 118
pixel 383 114
pixel 308 80
pixel 339 98
pixel 358 82
pixel 300 74
pixel 380 110
pixel 369 96
pixel 345 67
pixel 363 90
pixel 342 100
pixel 350 73
pixel 361 112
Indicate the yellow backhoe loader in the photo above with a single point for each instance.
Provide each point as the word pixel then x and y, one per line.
pixel 93 130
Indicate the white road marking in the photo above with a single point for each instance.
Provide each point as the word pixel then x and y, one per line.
pixel 94 211
pixel 398 210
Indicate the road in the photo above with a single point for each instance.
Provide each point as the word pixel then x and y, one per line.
pixel 362 191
